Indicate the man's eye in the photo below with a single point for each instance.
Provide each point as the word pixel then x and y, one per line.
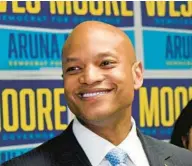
pixel 105 63
pixel 71 69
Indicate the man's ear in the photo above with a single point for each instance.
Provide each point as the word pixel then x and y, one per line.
pixel 137 71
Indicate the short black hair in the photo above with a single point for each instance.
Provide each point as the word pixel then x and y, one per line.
pixel 182 125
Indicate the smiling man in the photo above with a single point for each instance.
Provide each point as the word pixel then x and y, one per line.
pixel 101 74
pixel 100 63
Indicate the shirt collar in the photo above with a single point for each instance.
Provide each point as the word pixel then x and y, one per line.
pixel 96 147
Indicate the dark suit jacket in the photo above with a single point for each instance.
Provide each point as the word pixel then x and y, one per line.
pixel 64 150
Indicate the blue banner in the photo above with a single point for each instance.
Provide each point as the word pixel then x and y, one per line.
pixel 65 14
pixel 167 14
pixel 173 51
pixel 32 111
pixel 26 50
pixel 156 107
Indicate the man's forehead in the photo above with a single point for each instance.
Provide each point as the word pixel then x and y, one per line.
pixel 89 32
pixel 91 28
pixel 102 54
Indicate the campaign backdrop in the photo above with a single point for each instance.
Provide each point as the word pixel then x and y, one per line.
pixel 43 27
pixel 169 25
pixel 158 103
pixel 33 108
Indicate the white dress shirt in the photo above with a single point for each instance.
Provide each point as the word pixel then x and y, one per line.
pixel 96 147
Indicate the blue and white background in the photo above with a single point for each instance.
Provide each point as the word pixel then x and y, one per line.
pixel 32 104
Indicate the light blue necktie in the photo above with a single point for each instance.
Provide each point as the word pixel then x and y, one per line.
pixel 117 157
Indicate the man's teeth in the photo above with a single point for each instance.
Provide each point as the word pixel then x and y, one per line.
pixel 93 94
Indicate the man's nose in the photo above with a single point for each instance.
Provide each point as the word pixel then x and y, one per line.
pixel 91 75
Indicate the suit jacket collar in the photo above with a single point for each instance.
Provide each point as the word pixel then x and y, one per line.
pixel 157 155
pixel 73 154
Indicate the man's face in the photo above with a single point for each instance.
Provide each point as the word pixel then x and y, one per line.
pixel 98 76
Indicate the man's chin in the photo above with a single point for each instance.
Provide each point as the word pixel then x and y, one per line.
pixel 95 117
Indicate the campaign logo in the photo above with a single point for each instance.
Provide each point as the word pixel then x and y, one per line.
pixel 32 111
pixel 167 14
pixel 159 103
pixel 26 50
pixel 173 51
pixel 65 14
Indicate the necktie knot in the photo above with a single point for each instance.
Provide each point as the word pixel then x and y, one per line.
pixel 117 156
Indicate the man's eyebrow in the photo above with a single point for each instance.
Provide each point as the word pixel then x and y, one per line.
pixel 71 59
pixel 100 55
pixel 106 54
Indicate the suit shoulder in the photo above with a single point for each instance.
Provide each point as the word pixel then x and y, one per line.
pixel 182 154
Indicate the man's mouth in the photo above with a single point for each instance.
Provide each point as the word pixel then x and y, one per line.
pixel 94 94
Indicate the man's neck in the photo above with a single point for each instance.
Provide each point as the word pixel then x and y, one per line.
pixel 115 130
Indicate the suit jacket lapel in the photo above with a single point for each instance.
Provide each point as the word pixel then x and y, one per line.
pixel 72 153
pixel 75 155
pixel 156 154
